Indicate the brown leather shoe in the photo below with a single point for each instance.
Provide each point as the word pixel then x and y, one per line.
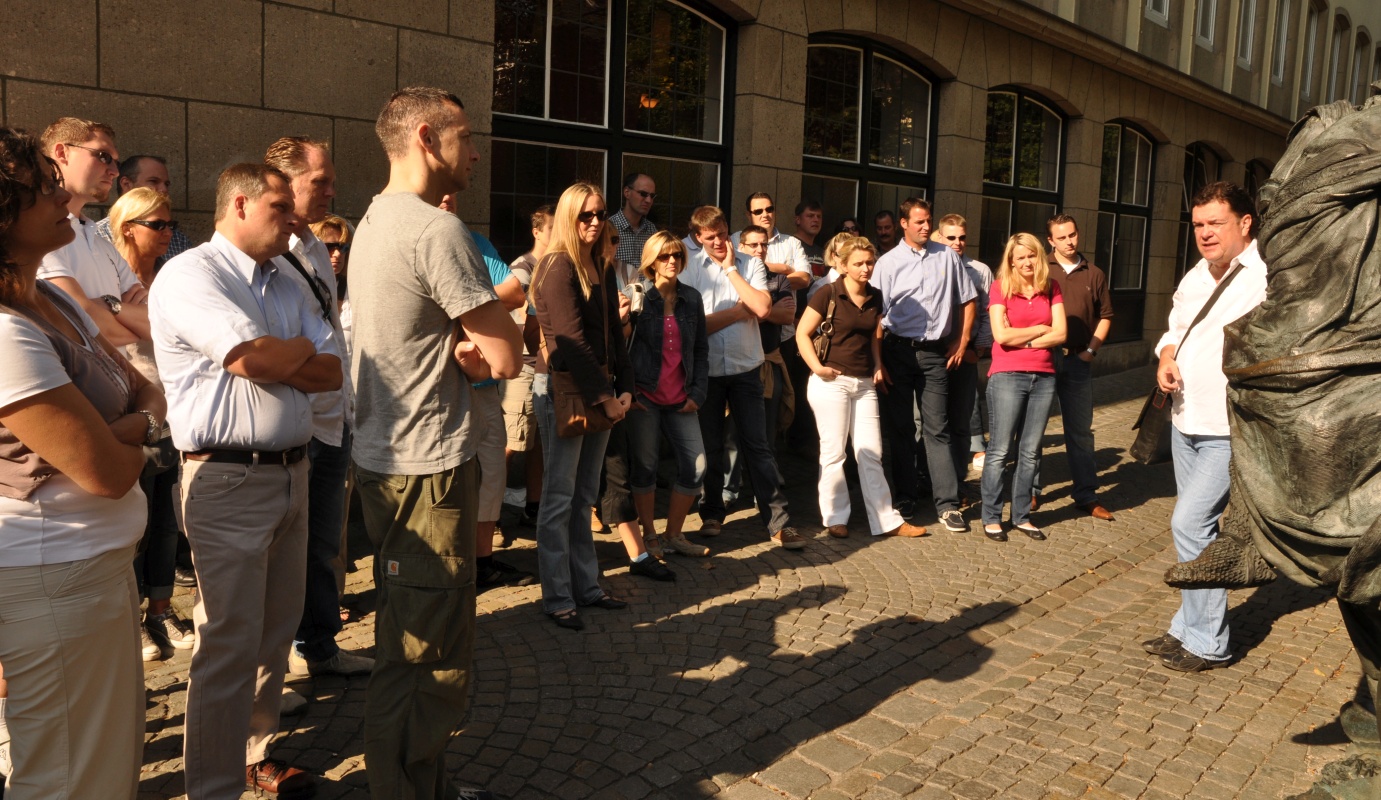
pixel 908 531
pixel 275 777
pixel 1097 511
pixel 838 531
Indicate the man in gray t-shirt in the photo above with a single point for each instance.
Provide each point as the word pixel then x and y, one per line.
pixel 426 324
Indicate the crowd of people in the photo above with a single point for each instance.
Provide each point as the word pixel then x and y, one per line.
pixel 224 401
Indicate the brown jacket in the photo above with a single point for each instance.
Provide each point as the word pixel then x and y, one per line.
pixel 574 328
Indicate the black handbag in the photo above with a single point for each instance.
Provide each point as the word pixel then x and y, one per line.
pixel 1152 426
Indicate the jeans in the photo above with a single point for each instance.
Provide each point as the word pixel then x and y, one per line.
pixel 1074 387
pixel 963 402
pixel 847 408
pixel 682 430
pixel 1201 485
pixel 742 394
pixel 326 506
pixel 919 372
pixel 1018 406
pixel 566 558
pixel 156 559
pixel 772 409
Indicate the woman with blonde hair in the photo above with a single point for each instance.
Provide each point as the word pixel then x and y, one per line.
pixel 335 232
pixel 142 225
pixel 575 298
pixel 1028 320
pixel 832 262
pixel 842 389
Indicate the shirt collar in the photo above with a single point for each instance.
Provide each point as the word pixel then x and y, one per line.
pixel 245 266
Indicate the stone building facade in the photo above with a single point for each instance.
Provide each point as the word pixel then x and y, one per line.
pixel 1001 110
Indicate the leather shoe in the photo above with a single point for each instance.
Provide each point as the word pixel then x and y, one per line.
pixel 1163 645
pixel 838 531
pixel 1097 511
pixel 275 777
pixel 995 532
pixel 611 603
pixel 907 530
pixel 1185 661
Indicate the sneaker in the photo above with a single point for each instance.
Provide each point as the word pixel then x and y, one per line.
pixel 978 459
pixel 682 546
pixel 501 574
pixel 1185 661
pixel 954 521
pixel 711 527
pixel 6 766
pixel 651 568
pixel 148 648
pixel 342 663
pixel 185 577
pixel 789 539
pixel 167 629
pixel 653 544
pixel 1165 645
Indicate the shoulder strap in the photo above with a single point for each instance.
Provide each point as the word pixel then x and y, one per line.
pixel 1203 312
pixel 311 283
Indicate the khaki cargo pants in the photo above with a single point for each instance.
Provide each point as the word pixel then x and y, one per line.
pixel 423 528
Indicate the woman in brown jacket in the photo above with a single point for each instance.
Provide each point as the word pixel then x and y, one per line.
pixel 576 303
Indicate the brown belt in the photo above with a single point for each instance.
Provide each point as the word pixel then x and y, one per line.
pixel 283 457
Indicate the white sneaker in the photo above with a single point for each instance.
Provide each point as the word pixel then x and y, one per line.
pixel 168 629
pixel 977 464
pixel 148 648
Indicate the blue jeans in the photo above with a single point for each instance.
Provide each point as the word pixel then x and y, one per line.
pixel 682 430
pixel 919 373
pixel 1018 406
pixel 1074 387
pixel 326 507
pixel 566 559
pixel 742 394
pixel 1201 484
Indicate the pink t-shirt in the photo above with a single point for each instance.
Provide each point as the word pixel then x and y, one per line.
pixel 1024 312
pixel 671 382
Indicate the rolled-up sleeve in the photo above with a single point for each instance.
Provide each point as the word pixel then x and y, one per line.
pixel 188 304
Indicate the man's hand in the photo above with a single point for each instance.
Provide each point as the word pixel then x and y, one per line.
pixel 136 295
pixel 690 407
pixel 471 361
pixel 616 407
pixel 954 356
pixel 1168 373
pixel 1085 356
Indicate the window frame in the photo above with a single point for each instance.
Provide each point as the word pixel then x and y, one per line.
pixel 861 171
pixel 1158 11
pixel 1129 303
pixel 1280 54
pixel 1246 33
pixel 1313 13
pixel 1359 81
pixel 1209 8
pixel 1188 256
pixel 1012 194
pixel 1341 38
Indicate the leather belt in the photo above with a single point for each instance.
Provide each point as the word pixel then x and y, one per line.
pixel 276 457
pixel 915 344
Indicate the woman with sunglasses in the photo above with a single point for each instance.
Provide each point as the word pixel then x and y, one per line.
pixel 73 417
pixel 848 225
pixel 142 225
pixel 334 232
pixel 576 303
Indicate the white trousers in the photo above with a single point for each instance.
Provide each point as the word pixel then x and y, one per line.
pixel 848 407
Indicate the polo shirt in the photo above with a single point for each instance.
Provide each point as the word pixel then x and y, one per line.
pixel 1024 312
pixel 851 345
pixel 1087 300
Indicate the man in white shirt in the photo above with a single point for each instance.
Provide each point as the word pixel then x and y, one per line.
pixel 240 347
pixel 90 269
pixel 1191 369
pixel 308 165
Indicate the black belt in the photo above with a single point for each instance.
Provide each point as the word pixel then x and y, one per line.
pixel 915 344
pixel 276 457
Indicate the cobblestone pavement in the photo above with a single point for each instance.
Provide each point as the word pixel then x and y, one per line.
pixel 948 666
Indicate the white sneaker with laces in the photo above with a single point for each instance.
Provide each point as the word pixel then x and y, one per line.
pixel 168 629
pixel 148 648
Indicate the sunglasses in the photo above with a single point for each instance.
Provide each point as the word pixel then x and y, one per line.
pixel 101 155
pixel 664 257
pixel 342 247
pixel 765 210
pixel 645 195
pixel 850 229
pixel 586 216
pixel 159 225
pixel 963 237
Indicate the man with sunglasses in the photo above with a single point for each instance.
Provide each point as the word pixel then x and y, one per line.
pixel 1088 314
pixel 631 222
pixel 90 269
pixel 150 172
pixel 966 436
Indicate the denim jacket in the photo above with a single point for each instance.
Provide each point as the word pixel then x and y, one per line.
pixel 645 342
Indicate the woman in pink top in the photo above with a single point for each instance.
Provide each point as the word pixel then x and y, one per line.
pixel 1028 320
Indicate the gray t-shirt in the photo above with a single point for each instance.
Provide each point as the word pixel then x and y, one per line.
pixel 413 270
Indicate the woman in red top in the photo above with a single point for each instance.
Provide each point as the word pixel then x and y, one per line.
pixel 1028 317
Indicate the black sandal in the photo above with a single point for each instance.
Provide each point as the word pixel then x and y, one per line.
pixel 567 618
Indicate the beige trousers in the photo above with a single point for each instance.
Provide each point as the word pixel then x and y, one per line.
pixel 248 530
pixel 69 640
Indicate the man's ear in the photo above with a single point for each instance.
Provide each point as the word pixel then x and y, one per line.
pixel 239 204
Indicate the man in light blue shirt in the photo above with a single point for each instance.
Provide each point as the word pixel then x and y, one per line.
pixel 923 285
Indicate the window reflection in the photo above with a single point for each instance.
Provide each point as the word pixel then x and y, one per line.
pixel 675 63
pixel 834 76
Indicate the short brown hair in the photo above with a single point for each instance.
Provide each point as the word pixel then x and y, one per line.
pixel 1060 219
pixel 754 229
pixel 407 109
pixel 71 130
pixel 289 154
pixel 913 202
pixel 1238 200
pixel 748 204
pixel 707 217
pixel 543 216
pixel 250 180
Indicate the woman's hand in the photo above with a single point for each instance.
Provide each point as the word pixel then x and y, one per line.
pixel 130 429
pixel 690 407
pixel 825 373
pixel 616 407
pixel 881 378
pixel 625 306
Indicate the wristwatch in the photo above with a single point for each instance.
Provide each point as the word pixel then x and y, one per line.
pixel 1090 351
pixel 114 303
pixel 154 432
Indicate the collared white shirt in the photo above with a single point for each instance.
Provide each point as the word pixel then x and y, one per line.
pixel 205 303
pixel 91 261
pixel 331 411
pixel 1201 405
pixel 784 249
pixel 738 347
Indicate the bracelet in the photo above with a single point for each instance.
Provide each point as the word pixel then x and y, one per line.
pixel 730 268
pixel 154 432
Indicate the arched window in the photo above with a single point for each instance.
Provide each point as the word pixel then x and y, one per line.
pixel 1124 224
pixel 1023 168
pixel 1337 59
pixel 594 89
pixel 869 138
pixel 1202 166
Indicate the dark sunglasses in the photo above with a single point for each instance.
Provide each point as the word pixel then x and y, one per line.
pixel 586 216
pixel 101 155
pixel 343 247
pixel 760 211
pixel 963 237
pixel 646 195
pixel 159 225
pixel 849 229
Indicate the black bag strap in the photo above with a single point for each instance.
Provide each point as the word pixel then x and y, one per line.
pixel 1203 312
pixel 313 283
pixel 829 316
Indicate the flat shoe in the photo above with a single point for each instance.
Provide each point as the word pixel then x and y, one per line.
pixel 838 531
pixel 1032 531
pixel 995 532
pixel 567 618
pixel 611 603
pixel 685 547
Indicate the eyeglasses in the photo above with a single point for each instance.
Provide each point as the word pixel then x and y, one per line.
pixel 159 225
pixel 850 229
pixel 48 185
pixel 101 155
pixel 337 247
pixel 963 237
pixel 757 212
pixel 644 195
pixel 586 216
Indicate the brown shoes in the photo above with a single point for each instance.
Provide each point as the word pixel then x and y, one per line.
pixel 275 777
pixel 838 531
pixel 907 530
pixel 1097 511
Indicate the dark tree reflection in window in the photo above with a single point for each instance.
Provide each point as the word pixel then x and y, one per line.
pixel 1107 182
pixel 997 152
pixel 834 76
pixel 520 45
pixel 900 118
pixel 675 62
pixel 579 35
pixel 524 176
pixel 1038 147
